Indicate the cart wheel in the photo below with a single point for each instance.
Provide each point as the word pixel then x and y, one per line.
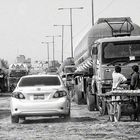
pixel 110 112
pixel 101 104
pixel 117 113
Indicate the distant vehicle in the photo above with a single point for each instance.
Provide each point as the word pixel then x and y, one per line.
pixel 40 95
pixel 52 69
pixel 3 75
pixel 16 71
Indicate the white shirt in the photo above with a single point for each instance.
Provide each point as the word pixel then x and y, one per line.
pixel 117 79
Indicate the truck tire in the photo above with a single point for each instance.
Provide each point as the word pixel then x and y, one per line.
pixel 91 102
pixel 78 97
pixel 67 116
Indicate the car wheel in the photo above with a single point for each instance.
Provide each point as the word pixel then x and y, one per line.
pixel 14 119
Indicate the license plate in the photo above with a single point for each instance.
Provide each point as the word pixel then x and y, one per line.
pixel 39 97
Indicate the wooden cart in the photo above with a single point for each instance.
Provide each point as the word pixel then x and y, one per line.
pixel 122 102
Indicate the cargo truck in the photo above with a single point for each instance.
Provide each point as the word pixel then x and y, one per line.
pixel 110 42
pixel 16 71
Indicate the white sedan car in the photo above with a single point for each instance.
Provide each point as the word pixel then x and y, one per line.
pixel 39 95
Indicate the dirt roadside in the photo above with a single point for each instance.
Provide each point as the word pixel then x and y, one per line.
pixel 83 125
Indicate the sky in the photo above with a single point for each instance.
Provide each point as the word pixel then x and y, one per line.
pixel 24 24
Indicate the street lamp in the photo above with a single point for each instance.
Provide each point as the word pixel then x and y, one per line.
pixel 71 24
pixel 53 43
pixel 47 49
pixel 62 37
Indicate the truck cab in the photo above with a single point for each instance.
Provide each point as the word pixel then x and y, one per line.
pixel 108 52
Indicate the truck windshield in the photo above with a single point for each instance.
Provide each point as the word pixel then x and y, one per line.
pixel 124 50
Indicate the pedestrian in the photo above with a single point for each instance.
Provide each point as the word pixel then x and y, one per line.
pixel 118 78
pixel 2 79
pixel 134 84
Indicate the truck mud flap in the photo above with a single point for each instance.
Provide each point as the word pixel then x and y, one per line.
pixel 91 102
pixel 78 97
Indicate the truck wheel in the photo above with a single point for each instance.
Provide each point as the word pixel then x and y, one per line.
pixel 14 119
pixel 78 97
pixel 91 102
pixel 67 116
pixel 101 106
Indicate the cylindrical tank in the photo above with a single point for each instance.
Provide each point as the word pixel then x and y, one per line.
pixel 105 27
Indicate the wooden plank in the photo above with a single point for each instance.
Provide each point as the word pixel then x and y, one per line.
pixel 121 93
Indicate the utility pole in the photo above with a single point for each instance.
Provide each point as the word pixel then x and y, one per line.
pixel 47 49
pixel 62 37
pixel 92 4
pixel 71 24
pixel 53 45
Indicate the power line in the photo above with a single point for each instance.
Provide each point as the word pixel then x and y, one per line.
pixel 108 5
pixel 81 30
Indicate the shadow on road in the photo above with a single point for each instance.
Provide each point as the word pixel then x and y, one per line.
pixel 59 120
pixel 5 95
pixel 4 113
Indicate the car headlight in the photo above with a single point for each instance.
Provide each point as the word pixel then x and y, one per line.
pixel 59 94
pixel 18 95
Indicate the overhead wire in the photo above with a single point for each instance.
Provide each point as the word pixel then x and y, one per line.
pixel 108 5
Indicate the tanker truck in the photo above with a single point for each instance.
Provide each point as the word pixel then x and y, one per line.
pixel 110 42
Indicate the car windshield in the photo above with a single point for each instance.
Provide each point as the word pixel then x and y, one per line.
pixel 113 51
pixel 39 81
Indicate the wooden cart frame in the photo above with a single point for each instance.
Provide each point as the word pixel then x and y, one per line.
pixel 122 102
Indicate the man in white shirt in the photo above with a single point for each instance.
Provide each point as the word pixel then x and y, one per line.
pixel 118 78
